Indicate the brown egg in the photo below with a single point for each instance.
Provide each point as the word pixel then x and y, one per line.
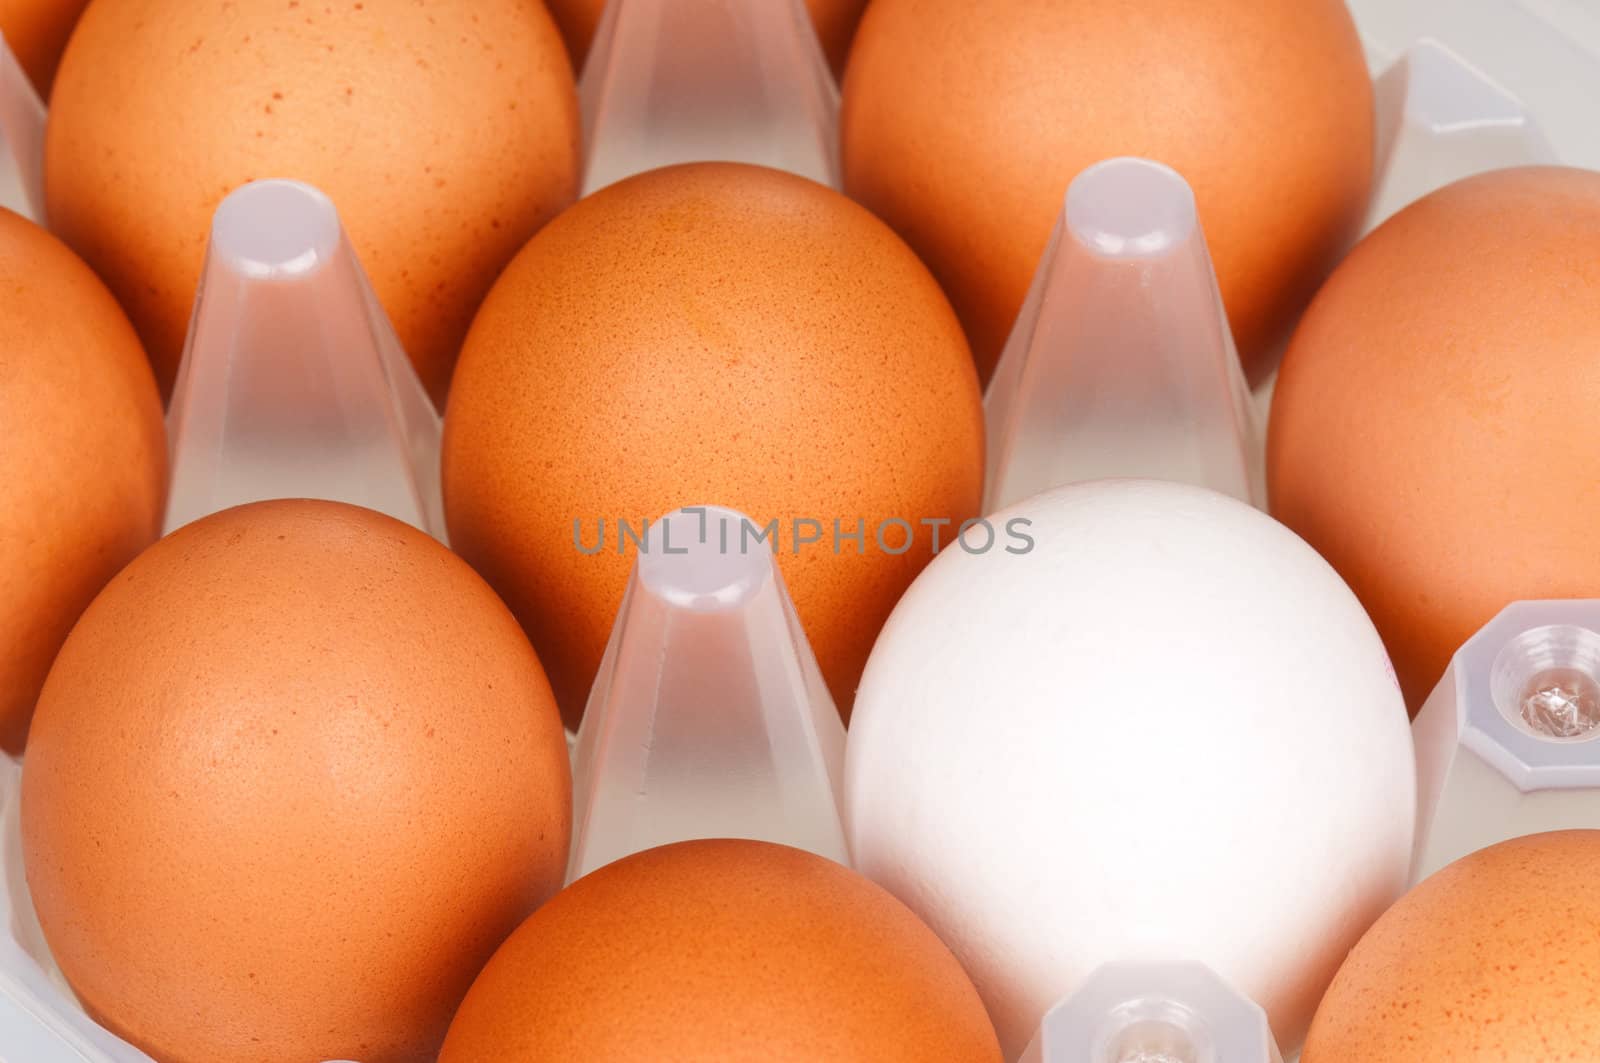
pixel 1425 426
pixel 445 134
pixel 835 22
pixel 37 31
pixel 722 952
pixel 294 777
pixel 83 455
pixel 1495 959
pixel 713 333
pixel 964 123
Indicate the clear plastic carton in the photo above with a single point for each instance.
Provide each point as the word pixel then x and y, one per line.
pixel 1463 86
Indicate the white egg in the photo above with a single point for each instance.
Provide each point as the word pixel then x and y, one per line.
pixel 1166 732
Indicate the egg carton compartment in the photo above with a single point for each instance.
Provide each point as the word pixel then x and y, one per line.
pixel 1457 87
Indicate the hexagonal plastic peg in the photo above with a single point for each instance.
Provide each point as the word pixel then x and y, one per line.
pixel 1154 1013
pixel 1508 743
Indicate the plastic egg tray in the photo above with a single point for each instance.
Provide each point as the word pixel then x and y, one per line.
pixel 1462 86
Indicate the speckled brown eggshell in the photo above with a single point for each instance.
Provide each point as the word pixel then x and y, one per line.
pixel 1495 959
pixel 1426 428
pixel 83 455
pixel 964 123
pixel 293 778
pixel 709 334
pixel 36 32
pixel 835 22
pixel 445 134
pixel 723 952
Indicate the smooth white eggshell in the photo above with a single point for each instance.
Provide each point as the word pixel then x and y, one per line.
pixel 1168 732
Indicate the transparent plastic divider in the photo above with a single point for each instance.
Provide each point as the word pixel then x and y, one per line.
pixel 1121 362
pixel 709 717
pixel 1441 120
pixel 1508 743
pixel 1154 1013
pixel 293 384
pixel 22 116
pixel 673 81
pixel 1536 49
